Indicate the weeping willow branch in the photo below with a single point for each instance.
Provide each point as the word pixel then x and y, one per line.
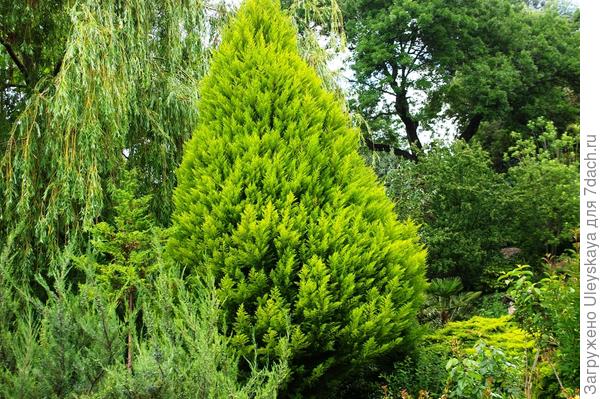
pixel 123 95
pixel 127 81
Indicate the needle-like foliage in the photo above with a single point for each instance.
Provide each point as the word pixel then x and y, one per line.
pixel 274 201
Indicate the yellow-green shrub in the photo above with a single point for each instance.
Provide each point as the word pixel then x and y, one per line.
pixel 277 205
pixel 501 333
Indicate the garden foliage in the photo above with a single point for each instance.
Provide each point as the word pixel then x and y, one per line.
pixel 277 205
pixel 549 310
pixel 470 351
pixel 287 270
pixel 134 329
pixel 459 200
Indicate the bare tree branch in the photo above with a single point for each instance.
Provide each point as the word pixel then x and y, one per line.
pixel 372 86
pixel 15 59
pixel 388 148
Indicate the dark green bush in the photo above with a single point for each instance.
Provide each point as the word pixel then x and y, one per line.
pixel 421 371
pixel 492 305
pixel 459 199
pixel 275 202
pixel 544 191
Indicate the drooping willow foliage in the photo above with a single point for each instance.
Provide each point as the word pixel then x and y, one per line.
pixel 321 37
pixel 124 96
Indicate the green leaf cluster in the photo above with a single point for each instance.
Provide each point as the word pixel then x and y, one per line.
pixel 549 310
pixel 488 373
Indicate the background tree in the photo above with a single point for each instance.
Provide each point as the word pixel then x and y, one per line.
pixel 544 190
pixel 460 203
pixel 122 97
pixel 32 47
pixel 275 202
pixel 461 64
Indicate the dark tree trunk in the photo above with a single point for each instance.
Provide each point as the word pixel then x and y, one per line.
pixel 387 148
pixel 469 131
pixel 130 306
pixel 410 124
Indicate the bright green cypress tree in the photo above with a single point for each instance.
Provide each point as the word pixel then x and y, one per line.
pixel 276 203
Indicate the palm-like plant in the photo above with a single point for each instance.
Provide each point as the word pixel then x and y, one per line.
pixel 446 300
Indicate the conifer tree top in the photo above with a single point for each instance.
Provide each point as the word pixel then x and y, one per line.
pixel 260 23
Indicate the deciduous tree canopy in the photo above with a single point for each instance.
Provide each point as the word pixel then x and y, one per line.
pixel 460 63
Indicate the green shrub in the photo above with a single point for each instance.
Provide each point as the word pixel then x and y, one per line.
pixel 423 370
pixel 182 354
pixel 62 347
pixel 486 373
pixel 544 191
pixel 549 310
pixel 458 197
pixel 501 333
pixel 469 212
pixel 446 301
pixel 492 305
pixel 426 369
pixel 275 202
pixel 75 345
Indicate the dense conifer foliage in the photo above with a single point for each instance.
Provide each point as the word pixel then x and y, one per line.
pixel 133 329
pixel 274 201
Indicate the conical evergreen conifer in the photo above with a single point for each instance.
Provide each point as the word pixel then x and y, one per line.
pixel 274 201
